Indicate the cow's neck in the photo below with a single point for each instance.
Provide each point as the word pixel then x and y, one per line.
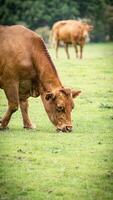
pixel 45 68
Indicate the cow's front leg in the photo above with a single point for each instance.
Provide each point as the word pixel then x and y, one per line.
pixel 24 110
pixel 81 51
pixel 76 50
pixel 11 91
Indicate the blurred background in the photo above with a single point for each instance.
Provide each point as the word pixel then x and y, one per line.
pixel 40 15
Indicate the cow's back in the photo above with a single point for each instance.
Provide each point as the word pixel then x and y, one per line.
pixel 14 40
pixel 69 30
pixel 16 51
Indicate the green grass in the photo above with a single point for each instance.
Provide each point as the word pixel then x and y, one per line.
pixel 44 165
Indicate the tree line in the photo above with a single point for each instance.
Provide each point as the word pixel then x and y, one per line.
pixel 41 13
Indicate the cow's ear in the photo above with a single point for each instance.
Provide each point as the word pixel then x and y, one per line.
pixel 50 96
pixel 75 93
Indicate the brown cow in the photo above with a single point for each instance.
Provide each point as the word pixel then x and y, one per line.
pixel 26 69
pixel 70 32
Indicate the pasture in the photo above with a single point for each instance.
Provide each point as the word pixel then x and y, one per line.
pixel 42 164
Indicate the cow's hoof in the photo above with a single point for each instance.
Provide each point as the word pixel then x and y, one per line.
pixel 32 126
pixel 3 128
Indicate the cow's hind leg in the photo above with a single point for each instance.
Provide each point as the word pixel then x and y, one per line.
pixel 24 110
pixel 11 91
pixel 57 47
pixel 67 52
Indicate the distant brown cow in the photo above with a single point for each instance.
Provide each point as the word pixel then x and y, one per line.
pixel 70 32
pixel 26 69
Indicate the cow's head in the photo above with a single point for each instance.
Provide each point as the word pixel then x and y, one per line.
pixel 58 105
pixel 85 30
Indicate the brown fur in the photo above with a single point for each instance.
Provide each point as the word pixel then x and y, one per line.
pixel 70 32
pixel 26 69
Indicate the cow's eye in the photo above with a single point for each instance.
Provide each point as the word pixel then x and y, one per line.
pixel 60 108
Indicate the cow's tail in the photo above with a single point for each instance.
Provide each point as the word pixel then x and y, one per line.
pixel 51 39
pixel 54 37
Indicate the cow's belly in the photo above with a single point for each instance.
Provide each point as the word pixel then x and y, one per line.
pixel 66 39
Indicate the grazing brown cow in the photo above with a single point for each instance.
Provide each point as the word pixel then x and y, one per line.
pixel 26 69
pixel 70 32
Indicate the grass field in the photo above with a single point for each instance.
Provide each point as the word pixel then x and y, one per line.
pixel 44 165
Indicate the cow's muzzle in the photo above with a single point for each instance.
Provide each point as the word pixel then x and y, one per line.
pixel 64 129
